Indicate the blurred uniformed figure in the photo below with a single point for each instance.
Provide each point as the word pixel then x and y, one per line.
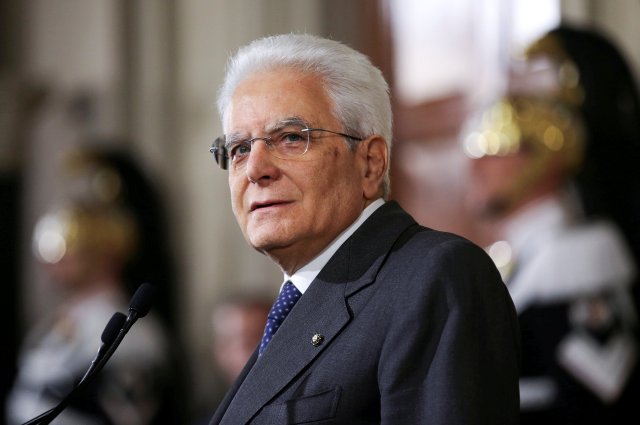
pixel 555 171
pixel 85 244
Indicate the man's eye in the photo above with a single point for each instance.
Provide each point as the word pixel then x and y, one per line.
pixel 239 150
pixel 292 137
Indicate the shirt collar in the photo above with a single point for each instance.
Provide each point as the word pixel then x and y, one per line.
pixel 305 275
pixel 532 229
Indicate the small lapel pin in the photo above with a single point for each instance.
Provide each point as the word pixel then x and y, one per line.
pixel 317 339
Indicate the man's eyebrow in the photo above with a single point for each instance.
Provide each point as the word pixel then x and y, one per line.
pixel 286 122
pixel 234 138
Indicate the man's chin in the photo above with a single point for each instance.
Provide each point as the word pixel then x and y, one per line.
pixel 267 244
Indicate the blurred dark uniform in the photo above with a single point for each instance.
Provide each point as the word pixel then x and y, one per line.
pixel 85 245
pixel 57 354
pixel 569 254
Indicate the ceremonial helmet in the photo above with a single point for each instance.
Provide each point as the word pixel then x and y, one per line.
pixel 572 98
pixel 91 218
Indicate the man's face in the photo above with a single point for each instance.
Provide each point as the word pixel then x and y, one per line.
pixel 493 182
pixel 292 209
pixel 503 185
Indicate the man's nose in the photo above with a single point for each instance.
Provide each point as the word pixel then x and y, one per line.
pixel 260 164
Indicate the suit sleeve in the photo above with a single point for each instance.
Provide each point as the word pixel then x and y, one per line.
pixel 451 352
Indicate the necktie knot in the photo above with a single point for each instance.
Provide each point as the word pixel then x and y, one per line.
pixel 287 298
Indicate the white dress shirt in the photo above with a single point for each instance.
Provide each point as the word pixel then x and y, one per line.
pixel 304 276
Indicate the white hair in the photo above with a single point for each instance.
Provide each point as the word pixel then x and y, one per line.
pixel 357 89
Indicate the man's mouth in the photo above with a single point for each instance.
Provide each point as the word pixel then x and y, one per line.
pixel 261 205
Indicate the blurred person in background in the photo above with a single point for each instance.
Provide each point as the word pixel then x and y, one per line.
pixel 90 248
pixel 237 325
pixel 556 175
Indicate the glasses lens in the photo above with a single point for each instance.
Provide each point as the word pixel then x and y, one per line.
pixel 239 151
pixel 287 142
pixel 290 142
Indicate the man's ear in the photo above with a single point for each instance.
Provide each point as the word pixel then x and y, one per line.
pixel 375 161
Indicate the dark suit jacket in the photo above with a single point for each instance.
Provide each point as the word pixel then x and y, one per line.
pixel 416 326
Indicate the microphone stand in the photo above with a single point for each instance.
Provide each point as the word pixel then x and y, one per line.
pixel 139 307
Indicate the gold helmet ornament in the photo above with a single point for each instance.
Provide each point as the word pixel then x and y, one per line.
pixel 92 218
pixel 96 229
pixel 538 117
pixel 516 123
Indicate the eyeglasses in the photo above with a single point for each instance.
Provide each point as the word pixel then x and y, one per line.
pixel 289 141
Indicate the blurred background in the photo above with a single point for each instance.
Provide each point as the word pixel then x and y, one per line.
pixel 141 76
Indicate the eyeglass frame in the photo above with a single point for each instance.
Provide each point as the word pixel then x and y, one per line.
pixel 220 153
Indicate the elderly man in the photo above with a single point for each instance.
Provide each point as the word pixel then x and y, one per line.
pixel 386 321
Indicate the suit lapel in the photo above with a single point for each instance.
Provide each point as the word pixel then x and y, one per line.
pixel 322 309
pixel 231 392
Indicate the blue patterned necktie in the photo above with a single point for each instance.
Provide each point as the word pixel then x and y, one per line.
pixel 283 305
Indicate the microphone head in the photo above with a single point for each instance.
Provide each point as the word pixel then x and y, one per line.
pixel 142 299
pixel 111 331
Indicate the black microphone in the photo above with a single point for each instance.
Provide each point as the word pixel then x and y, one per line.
pixel 109 335
pixel 112 336
pixel 141 301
